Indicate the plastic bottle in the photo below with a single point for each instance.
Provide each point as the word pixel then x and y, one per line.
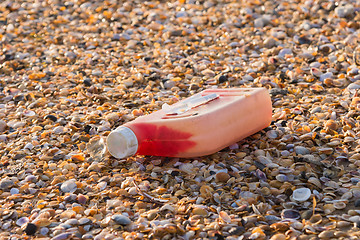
pixel 200 125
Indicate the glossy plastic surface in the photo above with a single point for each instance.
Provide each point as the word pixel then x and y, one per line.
pixel 200 126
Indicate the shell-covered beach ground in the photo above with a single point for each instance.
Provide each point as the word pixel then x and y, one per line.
pixel 71 71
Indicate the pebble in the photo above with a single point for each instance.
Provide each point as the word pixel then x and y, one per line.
pixel 270 42
pixel 344 11
pixel 6 184
pixel 14 191
pixel 121 219
pixel 44 231
pixel 222 177
pixel 301 150
pixel 21 221
pixel 59 130
pixel 62 236
pixel 30 229
pixel 69 186
pixel 284 52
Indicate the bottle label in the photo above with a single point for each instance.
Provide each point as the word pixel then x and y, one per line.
pixel 189 104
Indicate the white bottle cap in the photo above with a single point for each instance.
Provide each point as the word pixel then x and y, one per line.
pixel 122 142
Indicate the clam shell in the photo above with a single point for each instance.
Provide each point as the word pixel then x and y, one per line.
pixel 301 194
pixel 328 208
pixel 339 205
pixel 347 195
pixel 315 181
pixel 290 213
pixel 316 219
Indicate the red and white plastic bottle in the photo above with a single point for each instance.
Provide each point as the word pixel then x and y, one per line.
pixel 200 125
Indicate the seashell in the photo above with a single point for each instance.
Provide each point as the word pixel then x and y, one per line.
pixel 328 208
pixel 301 194
pixel 224 217
pixel 282 178
pixel 307 214
pixel 272 134
pixel 315 181
pixel 344 179
pixel 339 205
pixel 332 184
pixel 347 195
pixel 206 191
pixel 348 139
pixel 278 236
pixel 260 175
pixel 328 190
pixel 22 221
pixel 297 225
pixel 272 218
pixel 326 151
pixel 327 234
pixel 315 72
pixel 316 219
pixel 290 213
pixel 279 227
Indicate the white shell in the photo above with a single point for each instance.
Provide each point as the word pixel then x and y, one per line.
pixel 301 194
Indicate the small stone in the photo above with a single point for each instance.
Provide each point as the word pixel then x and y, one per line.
pixel 278 91
pixel 270 42
pixel 44 230
pixel 22 221
pixel 6 184
pixel 301 150
pixel 72 221
pixel 116 37
pixel 169 84
pixel 353 86
pixel 14 191
pixel 59 130
pixel 51 117
pixel 30 229
pixel 272 134
pixel 69 186
pixel 62 236
pixel 262 21
pixel 176 33
pixel 222 177
pixel 70 55
pixel 87 82
pixel 285 51
pixel 84 221
pixel 222 79
pixel 81 199
pixel 344 11
pixel 121 219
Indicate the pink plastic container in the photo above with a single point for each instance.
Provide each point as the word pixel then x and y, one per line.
pixel 200 125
